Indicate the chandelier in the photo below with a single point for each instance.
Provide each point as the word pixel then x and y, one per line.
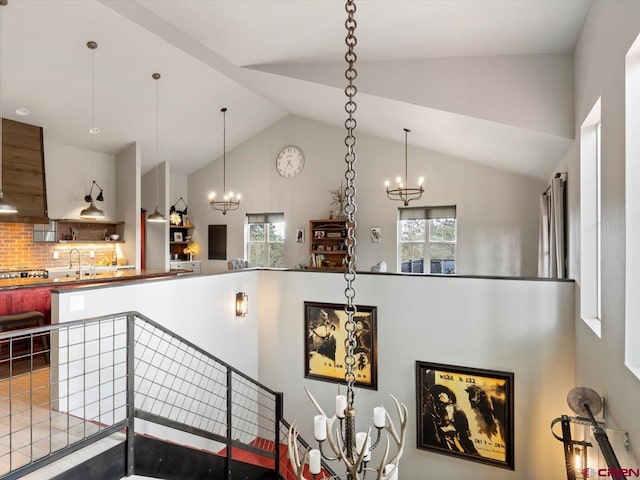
pixel 402 192
pixel 353 449
pixel 229 200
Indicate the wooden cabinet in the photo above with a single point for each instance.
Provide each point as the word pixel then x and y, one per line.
pixel 328 244
pixel 179 238
pixel 23 178
pixel 189 267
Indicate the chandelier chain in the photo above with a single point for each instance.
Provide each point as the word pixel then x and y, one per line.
pixel 350 176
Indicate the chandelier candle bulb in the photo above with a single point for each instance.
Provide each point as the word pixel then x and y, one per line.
pixel 379 417
pixel 363 440
pixel 314 461
pixel 388 469
pixel 341 404
pixel 320 427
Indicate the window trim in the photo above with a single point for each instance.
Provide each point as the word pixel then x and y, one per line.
pixel 265 219
pixel 425 213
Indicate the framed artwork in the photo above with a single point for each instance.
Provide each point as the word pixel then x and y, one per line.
pixel 324 349
pixel 465 412
pixel 177 236
pixel 300 235
pixel 376 234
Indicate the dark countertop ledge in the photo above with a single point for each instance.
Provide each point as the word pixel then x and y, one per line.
pixel 71 282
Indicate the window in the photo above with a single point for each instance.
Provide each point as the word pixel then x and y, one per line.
pixel 427 235
pixel 590 219
pixel 264 243
pixel 632 208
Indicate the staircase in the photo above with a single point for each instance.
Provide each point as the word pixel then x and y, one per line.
pixel 174 410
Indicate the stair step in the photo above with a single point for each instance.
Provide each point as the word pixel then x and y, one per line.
pixel 70 461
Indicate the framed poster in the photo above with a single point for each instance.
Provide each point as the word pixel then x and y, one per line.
pixel 324 349
pixel 465 412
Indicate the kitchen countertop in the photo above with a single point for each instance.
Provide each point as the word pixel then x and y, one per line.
pixel 100 277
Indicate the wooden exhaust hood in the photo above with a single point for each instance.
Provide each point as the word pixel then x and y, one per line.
pixel 23 176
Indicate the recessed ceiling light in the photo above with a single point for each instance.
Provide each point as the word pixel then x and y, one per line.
pixel 94 130
pixel 23 111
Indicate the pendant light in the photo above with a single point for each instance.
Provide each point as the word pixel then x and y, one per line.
pixel 92 212
pixel 6 208
pixel 229 200
pixel 402 192
pixel 156 216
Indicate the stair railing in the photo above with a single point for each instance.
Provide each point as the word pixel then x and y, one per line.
pixel 106 372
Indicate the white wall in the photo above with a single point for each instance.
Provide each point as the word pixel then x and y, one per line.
pixel 527 91
pixel 69 172
pixel 608 33
pixel 519 326
pixel 199 308
pixel 497 211
pixel 178 187
pixel 128 201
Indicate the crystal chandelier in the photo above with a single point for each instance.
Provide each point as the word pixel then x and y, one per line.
pixel 353 449
pixel 402 192
pixel 229 200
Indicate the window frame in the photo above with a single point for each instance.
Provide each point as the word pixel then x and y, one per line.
pixel 427 214
pixel 265 219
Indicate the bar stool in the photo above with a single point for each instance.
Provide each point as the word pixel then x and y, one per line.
pixel 21 320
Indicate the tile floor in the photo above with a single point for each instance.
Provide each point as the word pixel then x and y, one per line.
pixel 29 428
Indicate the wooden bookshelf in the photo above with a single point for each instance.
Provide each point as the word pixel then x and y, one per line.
pixel 328 244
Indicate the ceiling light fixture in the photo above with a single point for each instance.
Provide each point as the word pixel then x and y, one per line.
pixel 229 200
pixel 23 111
pixel 353 449
pixel 402 192
pixel 156 216
pixel 6 208
pixel 93 212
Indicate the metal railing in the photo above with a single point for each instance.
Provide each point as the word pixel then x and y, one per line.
pixel 107 371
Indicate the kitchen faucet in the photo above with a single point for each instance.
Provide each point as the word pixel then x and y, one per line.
pixel 79 262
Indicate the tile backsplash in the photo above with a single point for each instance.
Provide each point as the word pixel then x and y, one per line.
pixel 17 249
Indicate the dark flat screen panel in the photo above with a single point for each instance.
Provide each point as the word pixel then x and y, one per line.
pixel 217 242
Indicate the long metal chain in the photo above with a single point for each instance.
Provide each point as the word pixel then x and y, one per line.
pixel 350 191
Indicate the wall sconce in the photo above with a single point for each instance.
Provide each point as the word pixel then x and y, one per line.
pixel 242 304
pixel 586 404
pixel 92 211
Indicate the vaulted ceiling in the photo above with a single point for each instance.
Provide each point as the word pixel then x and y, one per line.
pixel 490 81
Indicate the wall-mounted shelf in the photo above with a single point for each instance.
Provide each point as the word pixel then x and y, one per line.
pixel 176 247
pixel 88 231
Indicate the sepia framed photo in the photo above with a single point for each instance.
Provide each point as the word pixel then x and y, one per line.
pixel 177 236
pixel 318 234
pixel 465 412
pixel 324 349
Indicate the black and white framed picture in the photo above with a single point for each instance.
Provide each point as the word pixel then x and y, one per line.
pixel 376 234
pixel 300 235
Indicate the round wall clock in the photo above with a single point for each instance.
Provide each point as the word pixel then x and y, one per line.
pixel 290 161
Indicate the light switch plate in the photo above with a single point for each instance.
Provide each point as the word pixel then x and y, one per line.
pixel 76 303
pixel 56 255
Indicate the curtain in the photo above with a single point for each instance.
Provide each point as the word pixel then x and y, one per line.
pixel 551 241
